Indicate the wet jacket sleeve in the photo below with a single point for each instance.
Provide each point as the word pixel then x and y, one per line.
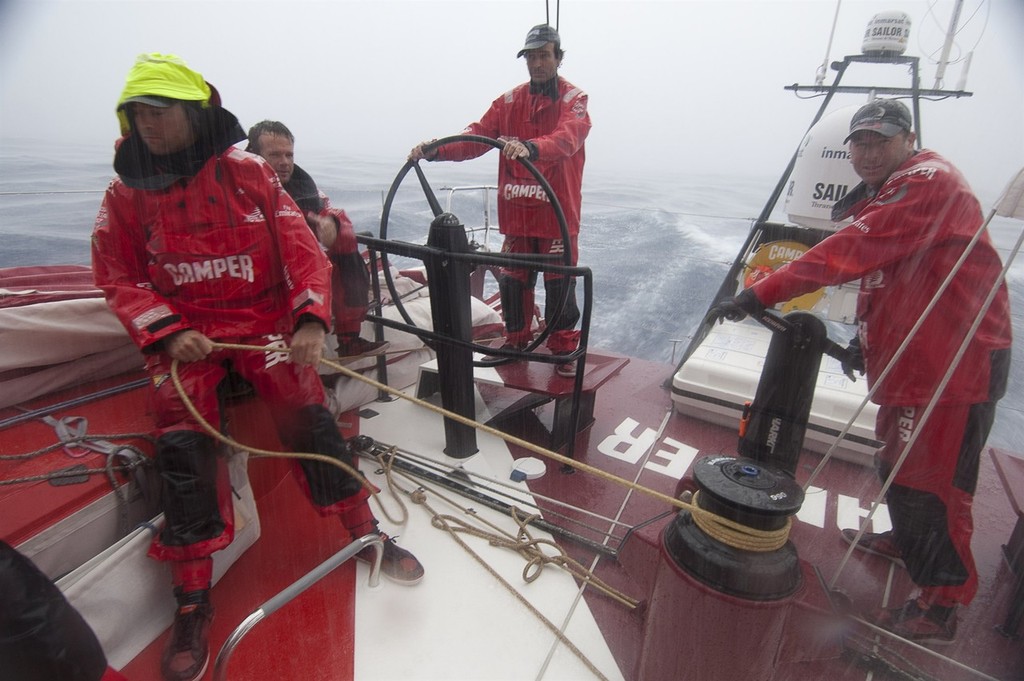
pixel 488 126
pixel 346 242
pixel 307 269
pixel 120 271
pixel 904 219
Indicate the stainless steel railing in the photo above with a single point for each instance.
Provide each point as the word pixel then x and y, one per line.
pixel 289 593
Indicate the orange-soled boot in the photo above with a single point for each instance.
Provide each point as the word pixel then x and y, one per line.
pixel 187 653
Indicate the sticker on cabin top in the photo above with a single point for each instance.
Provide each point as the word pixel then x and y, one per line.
pixel 771 256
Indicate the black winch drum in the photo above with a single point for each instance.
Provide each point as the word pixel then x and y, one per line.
pixel 723 608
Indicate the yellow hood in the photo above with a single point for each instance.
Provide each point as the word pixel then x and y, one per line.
pixel 161 75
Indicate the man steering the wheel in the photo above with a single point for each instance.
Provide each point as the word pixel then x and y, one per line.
pixel 545 121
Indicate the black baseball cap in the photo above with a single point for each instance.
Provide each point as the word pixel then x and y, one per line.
pixel 539 36
pixel 887 117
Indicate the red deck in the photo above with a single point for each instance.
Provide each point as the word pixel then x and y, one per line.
pixel 313 637
pixel 637 436
pixel 26 509
pixel 816 537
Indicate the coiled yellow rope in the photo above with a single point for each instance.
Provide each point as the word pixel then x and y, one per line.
pixel 740 536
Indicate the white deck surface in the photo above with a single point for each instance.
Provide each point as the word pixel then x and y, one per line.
pixel 437 629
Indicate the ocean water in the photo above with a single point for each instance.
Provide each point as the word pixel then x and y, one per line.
pixel 659 245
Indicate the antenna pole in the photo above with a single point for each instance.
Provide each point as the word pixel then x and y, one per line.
pixel 950 33
pixel 819 77
pixel 547 12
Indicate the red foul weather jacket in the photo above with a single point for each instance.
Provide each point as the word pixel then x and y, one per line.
pixel 251 268
pixel 558 129
pixel 902 244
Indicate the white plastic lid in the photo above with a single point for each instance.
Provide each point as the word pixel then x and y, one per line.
pixel 531 467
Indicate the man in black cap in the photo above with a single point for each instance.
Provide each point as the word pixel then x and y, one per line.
pixel 914 216
pixel 546 121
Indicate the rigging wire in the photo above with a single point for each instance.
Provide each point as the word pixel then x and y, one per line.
pixel 652 209
pixel 44 192
pixel 493 486
pixel 930 53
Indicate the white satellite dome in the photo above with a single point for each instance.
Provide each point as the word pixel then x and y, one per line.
pixel 823 173
pixel 886 33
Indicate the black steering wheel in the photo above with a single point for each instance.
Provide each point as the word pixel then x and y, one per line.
pixel 435 207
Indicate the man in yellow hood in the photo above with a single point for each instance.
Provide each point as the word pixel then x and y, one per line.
pixel 197 242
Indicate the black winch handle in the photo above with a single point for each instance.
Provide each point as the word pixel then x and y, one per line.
pixel 779 325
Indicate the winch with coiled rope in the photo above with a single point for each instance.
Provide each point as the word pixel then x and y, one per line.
pixel 732 573
pixel 762 566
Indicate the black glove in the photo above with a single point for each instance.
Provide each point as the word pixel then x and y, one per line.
pixel 854 360
pixel 735 309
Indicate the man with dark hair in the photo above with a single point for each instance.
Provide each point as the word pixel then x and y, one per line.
pixel 349 280
pixel 196 242
pixel 544 120
pixel 914 216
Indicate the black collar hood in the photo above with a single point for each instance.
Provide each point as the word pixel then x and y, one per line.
pixel 217 128
pixel 549 88
pixel 303 191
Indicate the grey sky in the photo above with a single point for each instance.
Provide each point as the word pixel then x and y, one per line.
pixel 682 86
